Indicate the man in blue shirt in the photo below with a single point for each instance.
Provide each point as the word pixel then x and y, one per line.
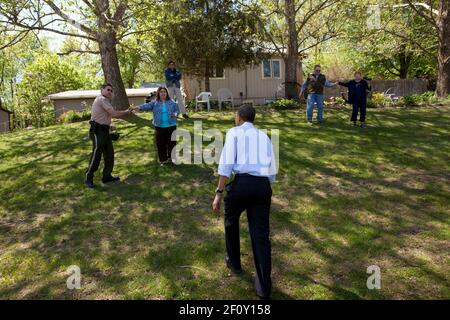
pixel 173 84
pixel 357 96
pixel 248 154
pixel 314 87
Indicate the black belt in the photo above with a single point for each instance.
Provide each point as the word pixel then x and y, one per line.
pixel 237 175
pixel 99 125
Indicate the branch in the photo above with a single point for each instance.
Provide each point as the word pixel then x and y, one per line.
pixel 71 21
pixel 426 51
pixel 420 13
pixel 16 39
pixel 120 11
pixel 120 37
pixel 65 53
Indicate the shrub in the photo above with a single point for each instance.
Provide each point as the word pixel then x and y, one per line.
pixel 377 100
pixel 428 97
pixel 284 104
pixel 75 116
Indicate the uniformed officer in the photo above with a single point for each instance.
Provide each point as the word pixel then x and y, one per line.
pixel 248 153
pixel 102 112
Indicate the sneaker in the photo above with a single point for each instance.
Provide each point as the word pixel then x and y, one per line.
pixel 110 179
pixel 230 266
pixel 89 184
pixel 309 123
pixel 362 125
pixel 354 123
pixel 185 116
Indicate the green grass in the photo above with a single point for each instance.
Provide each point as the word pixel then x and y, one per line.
pixel 345 199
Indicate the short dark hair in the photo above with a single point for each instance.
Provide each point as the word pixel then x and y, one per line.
pixel 358 72
pixel 317 65
pixel 247 113
pixel 106 85
pixel 171 61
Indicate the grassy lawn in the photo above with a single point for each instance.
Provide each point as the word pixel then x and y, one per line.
pixel 345 199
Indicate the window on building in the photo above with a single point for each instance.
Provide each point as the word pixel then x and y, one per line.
pixel 271 69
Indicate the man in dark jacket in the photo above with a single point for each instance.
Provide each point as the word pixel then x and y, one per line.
pixel 357 96
pixel 312 89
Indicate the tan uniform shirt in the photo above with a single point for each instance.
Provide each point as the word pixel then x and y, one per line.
pixel 100 109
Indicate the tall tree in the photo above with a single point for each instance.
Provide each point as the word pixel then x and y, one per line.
pixel 204 36
pixel 291 28
pixel 440 20
pixel 103 22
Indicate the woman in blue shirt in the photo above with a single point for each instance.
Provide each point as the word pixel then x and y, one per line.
pixel 165 113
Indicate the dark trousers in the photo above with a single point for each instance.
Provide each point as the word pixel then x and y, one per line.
pixel 164 142
pixel 254 195
pixel 361 107
pixel 101 145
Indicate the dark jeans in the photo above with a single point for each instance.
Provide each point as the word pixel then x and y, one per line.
pixel 164 142
pixel 361 107
pixel 101 145
pixel 254 195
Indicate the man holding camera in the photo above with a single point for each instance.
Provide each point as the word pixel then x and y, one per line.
pixel 99 132
pixel 312 90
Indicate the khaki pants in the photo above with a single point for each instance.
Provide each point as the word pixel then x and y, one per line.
pixel 175 94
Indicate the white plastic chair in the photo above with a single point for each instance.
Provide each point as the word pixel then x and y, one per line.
pixel 203 97
pixel 390 96
pixel 224 95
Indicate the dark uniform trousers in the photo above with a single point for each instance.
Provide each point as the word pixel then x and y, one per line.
pixel 253 194
pixel 164 143
pixel 361 107
pixel 101 145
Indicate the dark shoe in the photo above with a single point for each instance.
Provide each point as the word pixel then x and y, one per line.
pixel 110 179
pixel 233 269
pixel 363 125
pixel 354 123
pixel 89 183
pixel 185 116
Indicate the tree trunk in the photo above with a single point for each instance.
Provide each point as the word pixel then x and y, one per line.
pixel 207 85
pixel 443 23
pixel 291 60
pixel 111 70
pixel 404 59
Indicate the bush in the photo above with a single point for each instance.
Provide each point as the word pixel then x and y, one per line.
pixel 75 116
pixel 428 97
pixel 284 104
pixel 377 100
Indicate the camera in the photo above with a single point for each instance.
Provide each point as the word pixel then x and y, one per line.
pixel 115 136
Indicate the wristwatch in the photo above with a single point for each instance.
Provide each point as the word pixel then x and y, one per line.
pixel 219 191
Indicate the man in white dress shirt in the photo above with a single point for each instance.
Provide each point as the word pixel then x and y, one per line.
pixel 248 154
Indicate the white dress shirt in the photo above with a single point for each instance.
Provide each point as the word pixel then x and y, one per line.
pixel 247 150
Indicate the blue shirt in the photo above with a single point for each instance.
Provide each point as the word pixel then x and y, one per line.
pixel 247 150
pixel 164 117
pixel 173 77
pixel 157 108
